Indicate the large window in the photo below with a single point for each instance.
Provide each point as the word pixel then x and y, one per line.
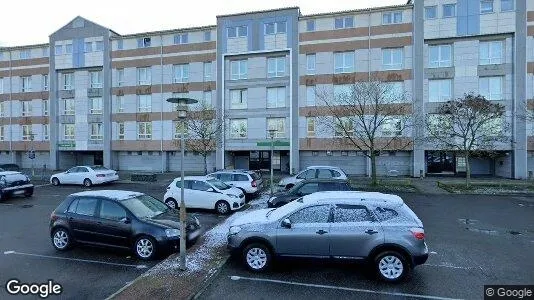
pixel 238 69
pixel 344 62
pixel 235 32
pixel 238 128
pixel 439 56
pixel 96 106
pixel 343 94
pixel 310 95
pixel 344 22
pixel 58 50
pixel 179 129
pixel 279 124
pixel 207 71
pixel 490 53
pixel 26 132
pixel 486 6
pixel 275 27
pixel 431 12
pixel 276 97
pixel 392 127
pixel 144 130
pixel 25 54
pixel 46 132
pixel 276 66
pixel 68 107
pixel 449 10
pixel 111 211
pixel 310 25
pixel 68 48
pixel 394 91
pixel 68 81
pixel 507 5
pixel 26 84
pixel 392 58
pixel 144 103
pixel 120 103
pixel 310 64
pixel 120 130
pixel 181 39
pixel 393 17
pixel 96 132
pixel 144 76
pixel 181 73
pixel 343 126
pixel 310 126
pixel 96 79
pixel 238 99
pixel 491 87
pixel 45 82
pixel 26 108
pixel 439 90
pixel 68 132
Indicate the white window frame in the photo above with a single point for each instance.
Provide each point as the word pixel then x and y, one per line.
pixel 46 132
pixel 276 66
pixel 311 64
pixel 277 27
pixel 99 46
pixel 66 111
pixel 310 122
pixel 46 107
pixel 240 134
pixel 27 132
pixel 68 48
pixel 67 134
pixel 280 93
pixel 440 89
pixel 58 50
pixel 512 2
pixel 96 133
pixel 347 123
pixel 68 81
pixel 2 132
pixel 343 58
pixel 390 53
pixel 144 130
pixel 178 128
pixel 236 33
pixel 492 82
pixel 486 11
pixel 344 22
pixel 279 124
pixel 238 99
pixel 207 66
pixel 96 79
pixel 119 100
pixel 181 38
pixel 491 59
pixel 26 108
pixel 25 54
pixel 310 95
pixel 243 63
pixel 96 106
pixel 26 84
pixel 441 62
pixel 428 9
pixel 120 77
pixel 88 47
pixel 144 76
pixel 392 17
pixel 391 126
pixel 453 5
pixel 45 82
pixel 180 73
pixel 120 131
pixel 310 25
pixel 144 103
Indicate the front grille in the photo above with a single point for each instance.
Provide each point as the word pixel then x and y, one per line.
pixel 18 183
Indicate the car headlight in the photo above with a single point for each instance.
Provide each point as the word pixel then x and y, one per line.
pixel 234 230
pixel 232 196
pixel 271 199
pixel 197 221
pixel 172 232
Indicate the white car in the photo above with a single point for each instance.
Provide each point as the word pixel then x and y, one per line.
pixel 204 192
pixel 249 182
pixel 312 172
pixel 86 175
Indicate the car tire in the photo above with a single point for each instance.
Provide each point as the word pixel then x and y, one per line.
pixel 61 239
pixel 222 207
pixel 391 266
pixel 171 202
pixel 55 181
pixel 145 248
pixel 87 182
pixel 28 193
pixel 257 257
pixel 289 186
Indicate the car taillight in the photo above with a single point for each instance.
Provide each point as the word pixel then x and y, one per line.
pixel 100 175
pixel 418 234
pixel 254 184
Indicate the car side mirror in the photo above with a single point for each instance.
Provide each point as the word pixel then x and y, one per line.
pixel 286 223
pixel 210 190
pixel 125 220
pixel 67 172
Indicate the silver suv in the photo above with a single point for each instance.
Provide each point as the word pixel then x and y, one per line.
pixel 249 182
pixel 373 227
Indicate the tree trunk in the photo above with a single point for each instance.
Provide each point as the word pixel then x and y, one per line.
pixel 205 164
pixel 374 181
pixel 467 170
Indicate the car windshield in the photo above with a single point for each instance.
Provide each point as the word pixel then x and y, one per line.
pixel 285 210
pixel 99 168
pixel 145 206
pixel 295 188
pixel 255 175
pixel 218 184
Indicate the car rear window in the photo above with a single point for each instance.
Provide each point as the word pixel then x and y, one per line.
pixel 240 177
pixel 385 214
pixel 254 175
pixel 351 213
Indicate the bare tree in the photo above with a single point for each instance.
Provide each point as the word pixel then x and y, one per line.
pixel 469 125
pixel 369 116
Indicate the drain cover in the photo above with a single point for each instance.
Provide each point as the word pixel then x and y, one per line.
pixel 27 205
pixel 514 232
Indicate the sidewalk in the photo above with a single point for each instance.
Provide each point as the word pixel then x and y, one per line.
pixel 429 185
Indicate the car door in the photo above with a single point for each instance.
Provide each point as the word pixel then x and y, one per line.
pixel 199 195
pixel 177 193
pixel 114 225
pixel 354 231
pixel 82 173
pixel 324 174
pixel 68 176
pixel 308 235
pixel 82 219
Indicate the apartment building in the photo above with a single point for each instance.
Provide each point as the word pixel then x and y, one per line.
pixel 93 96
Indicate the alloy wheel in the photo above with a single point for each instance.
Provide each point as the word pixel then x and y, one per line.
pixel 256 258
pixel 223 207
pixel 61 239
pixel 390 267
pixel 144 248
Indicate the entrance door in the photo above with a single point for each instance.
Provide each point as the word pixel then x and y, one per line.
pixel 98 158
pixel 439 162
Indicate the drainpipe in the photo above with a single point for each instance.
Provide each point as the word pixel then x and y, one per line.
pixel 11 108
pixel 161 97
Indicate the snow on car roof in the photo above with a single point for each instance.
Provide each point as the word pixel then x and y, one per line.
pixel 352 195
pixel 110 194
pixel 194 178
pixel 323 167
pixel 9 173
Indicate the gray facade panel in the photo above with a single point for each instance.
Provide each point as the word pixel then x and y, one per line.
pixel 352 165
pixel 494 70
pixel 439 73
pixel 418 86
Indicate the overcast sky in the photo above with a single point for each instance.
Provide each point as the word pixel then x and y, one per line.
pixel 32 21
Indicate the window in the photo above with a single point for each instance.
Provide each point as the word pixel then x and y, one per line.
pixel 207 71
pixel 120 45
pixel 2 132
pixel 68 80
pixel 96 79
pixel 144 130
pixel 344 62
pixel 486 6
pixel 206 97
pixel 25 54
pixel 343 94
pixel 45 82
pixel 96 132
pixel 144 103
pixel 312 214
pixel 68 107
pixel 392 58
pixel 181 73
pixel 181 39
pixel 238 99
pixel 392 127
pixel 26 84
pixel 238 128
pixel 26 108
pixel 439 90
pixel 179 129
pixel 199 185
pixel 309 188
pixel 308 174
pixel 507 5
pixel 439 56
pixel 310 126
pixel 99 45
pixel 351 213
pixel 310 64
pixel 490 87
pixel 144 42
pixel 26 132
pixel 490 53
pixel 46 52
pixel 46 130
pixel 120 130
pixel 45 107
pixel 2 109
pixel 345 22
pixel 111 211
pixel 88 47
pixel 120 103
pixel 393 17
pixel 310 25
pixel 58 49
pixel 275 27
pixel 144 76
pixel 207 36
pixel 343 127
pixel 68 132
pixel 276 97
pixel 96 106
pixel 449 10
pixel 493 127
pixel 394 91
pixel 431 12
pixel 310 95
pixel 276 66
pixel 86 207
pixel 1 85
pixel 120 77
pixel 238 69
pixel 234 32
pixel 68 49
pixel 279 124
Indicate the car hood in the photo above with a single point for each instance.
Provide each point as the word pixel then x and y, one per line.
pixel 171 220
pixel 283 196
pixel 255 217
pixel 286 180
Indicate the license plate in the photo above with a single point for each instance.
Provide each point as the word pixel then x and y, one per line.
pixel 20 192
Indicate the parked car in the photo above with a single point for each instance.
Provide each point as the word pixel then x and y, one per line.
pixel 119 219
pixel 204 192
pixel 307 187
pixel 376 228
pixel 312 172
pixel 14 183
pixel 10 167
pixel 86 175
pixel 249 182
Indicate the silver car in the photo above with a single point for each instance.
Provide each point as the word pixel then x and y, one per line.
pixel 372 227
pixel 312 172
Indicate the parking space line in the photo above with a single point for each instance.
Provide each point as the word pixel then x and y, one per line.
pixel 75 259
pixel 448 266
pixel 341 288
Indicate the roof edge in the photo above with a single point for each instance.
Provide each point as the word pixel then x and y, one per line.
pixel 161 32
pixel 369 9
pixel 23 47
pixel 259 11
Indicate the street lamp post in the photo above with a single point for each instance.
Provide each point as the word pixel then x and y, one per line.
pixel 182 115
pixel 272 132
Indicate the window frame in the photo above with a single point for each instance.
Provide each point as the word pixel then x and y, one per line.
pixel 491 60
pixel 181 38
pixel 280 130
pixel 95 78
pixel 146 128
pixel 440 63
pixel 101 206
pixel 46 107
pixel 238 134
pixel 120 77
pixel 98 134
pixel 180 73
pixel 490 96
pixel 311 90
pixel 26 108
pixel 207 71
pixel 310 122
pixel 344 20
pixel 446 5
pixel 430 8
pixel 71 127
pixel 279 68
pixel 345 68
pixel 482 2
pixel 392 65
pixel 392 17
pixel 239 75
pixel 243 101
pixel 310 25
pixel 279 103
pixel 99 108
pixel 121 131
pixel 69 112
pixel 441 98
pixel 27 132
pixel 147 107
pixel 26 84
pixel 44 80
pixel 144 76
pixel 68 81
pixel 512 3
pixel 311 59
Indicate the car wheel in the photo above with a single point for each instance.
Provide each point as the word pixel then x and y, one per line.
pixel 172 203
pixel 145 248
pixel 222 207
pixel 55 181
pixel 28 193
pixel 87 182
pixel 289 186
pixel 257 257
pixel 391 266
pixel 61 239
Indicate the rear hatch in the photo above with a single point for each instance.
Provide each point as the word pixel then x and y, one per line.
pixel 256 177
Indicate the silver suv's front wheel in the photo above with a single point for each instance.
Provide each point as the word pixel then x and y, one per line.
pixel 257 257
pixel 391 266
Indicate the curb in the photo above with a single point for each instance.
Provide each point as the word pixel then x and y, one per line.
pixel 207 281
pixel 126 286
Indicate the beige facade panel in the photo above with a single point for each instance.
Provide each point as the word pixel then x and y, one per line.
pixel 25 62
pixel 311 144
pixel 26 145
pixel 360 44
pixel 355 77
pixel 29 96
pixel 530 67
pixel 24 72
pixel 153 116
pixel 530 16
pixel 154 61
pixel 355 32
pixel 167 88
pixel 530 30
pixel 315 111
pixel 150 145
pixel 166 50
pixel 29 120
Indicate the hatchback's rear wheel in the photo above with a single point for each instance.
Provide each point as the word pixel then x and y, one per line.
pixel 257 257
pixel 391 266
pixel 61 239
pixel 145 248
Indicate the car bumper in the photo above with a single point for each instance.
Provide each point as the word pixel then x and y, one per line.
pixel 100 180
pixel 420 259
pixel 18 190
pixel 233 244
pixel 238 204
pixel 172 245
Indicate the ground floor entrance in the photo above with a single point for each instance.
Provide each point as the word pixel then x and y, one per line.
pixel 481 164
pixel 259 160
pixel 68 159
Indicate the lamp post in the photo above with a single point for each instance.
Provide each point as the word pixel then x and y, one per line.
pixel 182 115
pixel 272 132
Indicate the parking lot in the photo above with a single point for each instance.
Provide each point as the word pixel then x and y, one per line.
pixel 26 252
pixel 474 240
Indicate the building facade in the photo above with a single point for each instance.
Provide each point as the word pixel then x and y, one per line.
pixel 93 96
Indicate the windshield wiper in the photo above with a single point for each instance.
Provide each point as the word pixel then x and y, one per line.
pixel 269 212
